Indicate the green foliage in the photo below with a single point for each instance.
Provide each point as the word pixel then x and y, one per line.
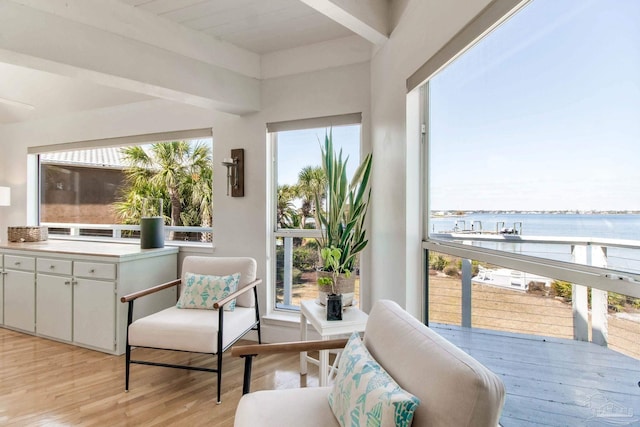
pixel 287 215
pixel 178 172
pixel 325 281
pixel 305 258
pixel 562 289
pixel 312 182
pixel 615 302
pixel 451 270
pixel 437 262
pixel 343 224
pixel 331 262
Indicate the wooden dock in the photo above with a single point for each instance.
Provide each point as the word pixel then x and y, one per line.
pixel 555 381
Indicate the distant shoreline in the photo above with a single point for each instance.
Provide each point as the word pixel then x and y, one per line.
pixel 454 213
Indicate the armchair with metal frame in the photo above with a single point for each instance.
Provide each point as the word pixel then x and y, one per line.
pixel 197 330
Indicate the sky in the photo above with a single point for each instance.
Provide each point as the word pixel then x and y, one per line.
pixel 301 148
pixel 542 114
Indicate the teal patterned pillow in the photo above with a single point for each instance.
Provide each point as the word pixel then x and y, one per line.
pixel 202 291
pixel 364 394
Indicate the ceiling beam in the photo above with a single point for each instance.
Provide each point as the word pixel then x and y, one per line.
pixel 369 19
pixel 49 42
pixel 135 23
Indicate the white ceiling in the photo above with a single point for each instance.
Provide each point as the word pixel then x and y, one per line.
pixel 258 27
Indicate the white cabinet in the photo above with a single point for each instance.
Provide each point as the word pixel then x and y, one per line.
pixel 54 302
pixel 19 292
pixel 94 313
pixel 1 289
pixel 70 291
pixel 54 298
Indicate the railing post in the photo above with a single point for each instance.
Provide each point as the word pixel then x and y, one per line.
pixel 599 300
pixel 466 293
pixel 579 300
pixel 288 270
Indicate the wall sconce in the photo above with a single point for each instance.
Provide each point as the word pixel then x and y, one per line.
pixel 5 196
pixel 235 172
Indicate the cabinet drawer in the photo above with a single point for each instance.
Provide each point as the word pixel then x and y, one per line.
pixel 53 266
pixel 19 262
pixel 94 270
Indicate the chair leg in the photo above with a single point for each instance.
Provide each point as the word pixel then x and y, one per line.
pixel 128 347
pixel 259 334
pixel 127 368
pixel 219 375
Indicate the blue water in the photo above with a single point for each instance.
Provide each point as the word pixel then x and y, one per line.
pixel 609 226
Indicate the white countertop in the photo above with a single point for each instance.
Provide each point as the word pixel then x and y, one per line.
pixel 76 247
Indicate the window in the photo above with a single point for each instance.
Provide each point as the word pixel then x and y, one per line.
pixel 298 177
pixel 530 173
pixel 100 191
pixel 532 134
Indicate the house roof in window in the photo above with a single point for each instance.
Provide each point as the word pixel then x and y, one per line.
pixel 109 157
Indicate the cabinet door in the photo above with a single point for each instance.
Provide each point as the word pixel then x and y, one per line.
pixel 1 289
pixel 1 296
pixel 94 313
pixel 20 300
pixel 53 306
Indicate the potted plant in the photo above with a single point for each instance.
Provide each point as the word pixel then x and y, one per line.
pixel 331 258
pixel 342 225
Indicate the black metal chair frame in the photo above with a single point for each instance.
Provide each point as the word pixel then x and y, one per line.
pixel 218 305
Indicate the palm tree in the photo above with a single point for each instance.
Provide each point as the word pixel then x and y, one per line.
pixel 312 182
pixel 287 217
pixel 178 171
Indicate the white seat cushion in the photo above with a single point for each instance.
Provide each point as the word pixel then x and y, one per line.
pixel 307 407
pixel 189 330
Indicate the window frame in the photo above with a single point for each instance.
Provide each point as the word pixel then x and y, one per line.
pixel 272 130
pixel 417 84
pixel 34 167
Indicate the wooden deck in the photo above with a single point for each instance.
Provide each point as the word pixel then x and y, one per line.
pixel 555 381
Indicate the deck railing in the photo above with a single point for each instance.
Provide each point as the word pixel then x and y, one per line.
pixel 588 256
pixel 285 298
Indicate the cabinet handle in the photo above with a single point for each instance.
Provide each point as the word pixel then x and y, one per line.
pixel 74 282
pixel 93 270
pixel 67 282
pixel 17 263
pixel 52 267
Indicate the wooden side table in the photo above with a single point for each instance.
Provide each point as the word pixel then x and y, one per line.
pixel 353 320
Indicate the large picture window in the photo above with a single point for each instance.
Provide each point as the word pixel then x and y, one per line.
pixel 531 184
pixel 101 191
pixel 298 178
pixel 533 135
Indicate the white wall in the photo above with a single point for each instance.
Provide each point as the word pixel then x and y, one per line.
pixel 423 27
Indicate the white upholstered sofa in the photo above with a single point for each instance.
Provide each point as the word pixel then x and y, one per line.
pixel 454 389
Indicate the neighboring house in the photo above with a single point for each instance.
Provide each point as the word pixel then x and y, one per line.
pixel 80 186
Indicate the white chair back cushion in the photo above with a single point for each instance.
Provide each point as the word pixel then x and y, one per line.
pixel 454 388
pixel 223 266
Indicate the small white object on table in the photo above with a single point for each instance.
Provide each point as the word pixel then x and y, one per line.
pixel 353 320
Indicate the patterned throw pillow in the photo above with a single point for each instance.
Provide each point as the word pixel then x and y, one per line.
pixel 202 291
pixel 364 394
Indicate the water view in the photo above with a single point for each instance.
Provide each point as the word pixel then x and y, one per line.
pixel 591 226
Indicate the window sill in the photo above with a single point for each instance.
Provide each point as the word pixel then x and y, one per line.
pixel 185 246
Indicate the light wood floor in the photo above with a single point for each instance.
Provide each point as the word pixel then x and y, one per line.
pixel 47 383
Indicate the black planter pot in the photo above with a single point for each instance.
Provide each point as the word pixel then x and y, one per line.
pixel 334 307
pixel 151 233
